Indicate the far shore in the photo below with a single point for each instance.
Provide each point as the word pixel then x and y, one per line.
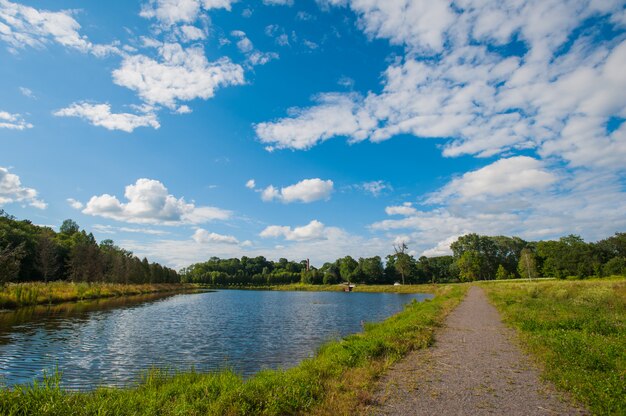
pixel 17 295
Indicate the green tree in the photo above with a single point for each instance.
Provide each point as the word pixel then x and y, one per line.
pixel 493 252
pixel 10 260
pixel 614 246
pixel 470 266
pixel 331 273
pixel 615 266
pixel 347 268
pixel 48 257
pixel 69 227
pixel 527 266
pixel 371 270
pixel 569 256
pixel 501 273
pixel 404 262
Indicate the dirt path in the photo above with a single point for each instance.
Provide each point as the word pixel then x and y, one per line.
pixel 472 369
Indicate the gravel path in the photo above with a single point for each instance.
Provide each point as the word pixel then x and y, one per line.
pixel 473 368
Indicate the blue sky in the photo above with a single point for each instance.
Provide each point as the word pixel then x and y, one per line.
pixel 183 129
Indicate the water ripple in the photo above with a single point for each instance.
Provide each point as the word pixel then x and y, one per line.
pixel 243 330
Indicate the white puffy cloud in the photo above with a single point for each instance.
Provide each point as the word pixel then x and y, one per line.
pixel 183 109
pixel 261 58
pixel 251 184
pixel 419 24
pixel 442 248
pixel 11 190
pixel 100 115
pixel 503 177
pixel 170 12
pixel 149 202
pixel 254 57
pixel 335 115
pixel 585 202
pixel 314 230
pixel 189 33
pixel 553 97
pixel 202 236
pixel 307 190
pixel 22 26
pixel 74 203
pixel 404 209
pixel 376 188
pixel 244 44
pixel 13 121
pixel 180 75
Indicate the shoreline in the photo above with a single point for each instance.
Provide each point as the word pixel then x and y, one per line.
pixel 14 296
pixel 20 295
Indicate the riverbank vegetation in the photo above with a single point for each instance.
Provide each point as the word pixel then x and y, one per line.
pixel 577 332
pixel 475 257
pixel 30 252
pixel 34 253
pixel 338 380
pixel 14 295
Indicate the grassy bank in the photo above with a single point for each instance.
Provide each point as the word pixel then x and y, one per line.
pixel 577 332
pixel 301 287
pixel 338 380
pixel 15 295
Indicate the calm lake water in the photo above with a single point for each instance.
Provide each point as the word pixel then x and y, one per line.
pixel 113 342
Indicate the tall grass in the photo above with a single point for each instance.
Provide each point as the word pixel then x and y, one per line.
pixel 338 380
pixel 15 295
pixel 577 331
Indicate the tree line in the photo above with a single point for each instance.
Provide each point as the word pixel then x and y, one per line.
pixel 483 258
pixel 30 252
pixel 34 253
pixel 475 257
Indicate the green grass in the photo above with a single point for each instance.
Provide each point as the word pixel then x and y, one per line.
pixel 577 332
pixel 15 295
pixel 338 380
pixel 302 287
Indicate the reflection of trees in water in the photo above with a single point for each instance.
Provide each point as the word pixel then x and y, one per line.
pixel 51 317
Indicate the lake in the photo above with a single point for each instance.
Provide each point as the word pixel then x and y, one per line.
pixel 113 342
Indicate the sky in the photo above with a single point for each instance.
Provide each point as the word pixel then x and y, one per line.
pixel 185 129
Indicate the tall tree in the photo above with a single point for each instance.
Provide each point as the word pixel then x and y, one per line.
pixel 470 266
pixel 48 257
pixel 371 269
pixel 69 227
pixel 527 265
pixel 10 259
pixel 404 261
pixel 347 267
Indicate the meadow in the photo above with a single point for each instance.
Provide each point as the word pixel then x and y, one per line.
pixel 576 331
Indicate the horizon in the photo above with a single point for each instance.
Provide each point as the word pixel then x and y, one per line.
pixel 185 129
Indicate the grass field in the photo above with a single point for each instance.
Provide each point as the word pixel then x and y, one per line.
pixel 577 332
pixel 14 295
pixel 338 380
